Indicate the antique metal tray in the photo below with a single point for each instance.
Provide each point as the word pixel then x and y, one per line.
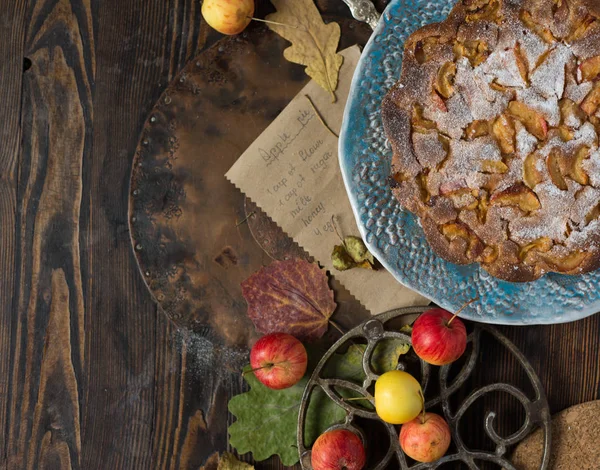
pixel 450 396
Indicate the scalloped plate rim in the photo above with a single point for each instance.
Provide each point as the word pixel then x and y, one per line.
pixel 347 165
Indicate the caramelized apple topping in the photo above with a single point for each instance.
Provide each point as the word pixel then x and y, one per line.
pixel 591 102
pixel 504 130
pixel 476 51
pixel 553 163
pixel 489 255
pixel 397 179
pixel 419 123
pixel 482 208
pixel 493 166
pixel 565 133
pixel 542 244
pixel 537 28
pixel 521 63
pixel 488 11
pixel 531 175
pixel 576 171
pixel 425 48
pixel 457 230
pixel 593 214
pixel 570 112
pixel 567 263
pixel 422 184
pixel 590 69
pixel 518 195
pixel 532 120
pixel 582 29
pixel 445 80
pixel 476 129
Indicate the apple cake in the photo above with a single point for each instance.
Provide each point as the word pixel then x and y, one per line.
pixel 494 128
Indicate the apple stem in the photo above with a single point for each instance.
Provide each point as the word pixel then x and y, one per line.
pixel 462 308
pixel 337 327
pixel 277 23
pixel 422 407
pixel 267 366
pixel 369 397
pixel 336 231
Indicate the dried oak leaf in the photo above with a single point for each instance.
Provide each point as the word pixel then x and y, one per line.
pixel 230 462
pixel 314 43
pixel 290 296
pixel 352 253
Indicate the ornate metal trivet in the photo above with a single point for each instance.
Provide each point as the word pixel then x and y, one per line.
pixel 536 411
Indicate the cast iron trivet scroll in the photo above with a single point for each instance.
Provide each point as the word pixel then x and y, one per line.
pixel 372 331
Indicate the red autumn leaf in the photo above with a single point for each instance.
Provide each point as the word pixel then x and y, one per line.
pixel 290 296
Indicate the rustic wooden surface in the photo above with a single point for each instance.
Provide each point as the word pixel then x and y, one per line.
pixel 92 374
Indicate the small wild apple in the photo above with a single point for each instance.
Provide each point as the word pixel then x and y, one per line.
pixel 278 360
pixel 438 337
pixel 426 438
pixel 338 449
pixel 228 16
pixel 398 397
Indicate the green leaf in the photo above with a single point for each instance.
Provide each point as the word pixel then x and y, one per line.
pixel 387 354
pixel 322 413
pixel 357 249
pixel 406 329
pixel 349 365
pixel 266 421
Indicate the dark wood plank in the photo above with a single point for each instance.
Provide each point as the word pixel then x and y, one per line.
pixel 47 378
pixel 140 46
pixel 12 32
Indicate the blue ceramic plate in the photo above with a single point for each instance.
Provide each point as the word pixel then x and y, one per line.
pixel 395 237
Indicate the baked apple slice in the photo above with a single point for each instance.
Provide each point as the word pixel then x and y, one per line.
pixel 537 28
pixel 567 263
pixel 553 162
pixel 593 214
pixel 571 114
pixel 517 195
pixel 489 255
pixel 419 123
pixel 477 129
pixel 493 166
pixel 582 28
pixel 444 84
pixel 531 175
pixel 577 172
pixel 457 230
pixel 591 102
pixel 542 244
pixel 590 69
pixel 504 130
pixel 532 120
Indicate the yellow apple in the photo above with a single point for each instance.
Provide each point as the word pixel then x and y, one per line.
pixel 228 16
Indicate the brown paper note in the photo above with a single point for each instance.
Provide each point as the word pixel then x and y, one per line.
pixel 292 172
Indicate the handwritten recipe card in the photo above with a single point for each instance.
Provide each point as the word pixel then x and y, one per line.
pixel 292 172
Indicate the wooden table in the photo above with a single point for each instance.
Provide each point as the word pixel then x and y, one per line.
pixel 92 374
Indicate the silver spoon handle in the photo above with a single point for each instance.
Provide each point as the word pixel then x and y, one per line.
pixel 364 10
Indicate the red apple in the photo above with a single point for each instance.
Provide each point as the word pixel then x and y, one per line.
pixel 426 438
pixel 278 360
pixel 338 449
pixel 436 339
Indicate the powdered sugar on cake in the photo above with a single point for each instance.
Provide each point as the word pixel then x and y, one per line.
pixel 515 156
